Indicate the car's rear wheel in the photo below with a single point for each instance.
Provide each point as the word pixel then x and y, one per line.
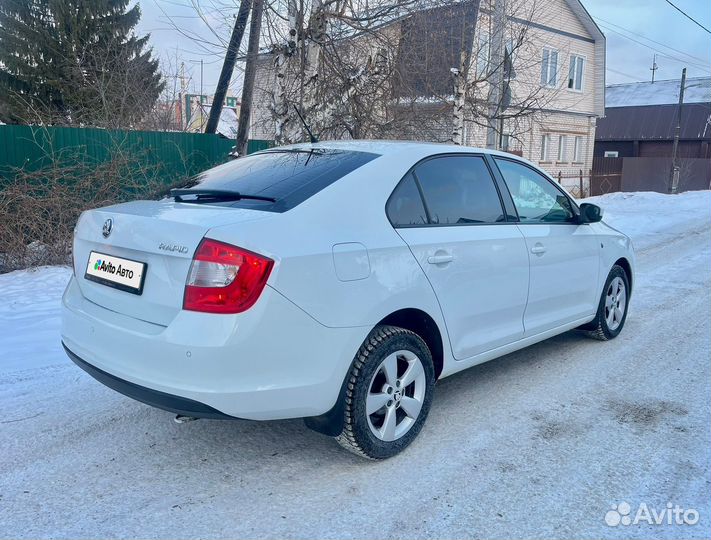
pixel 388 393
pixel 612 309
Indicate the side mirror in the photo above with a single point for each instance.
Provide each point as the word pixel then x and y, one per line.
pixel 590 213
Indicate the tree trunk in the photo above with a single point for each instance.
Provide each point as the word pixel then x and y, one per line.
pixel 255 30
pixel 317 33
pixel 228 66
pixel 497 77
pixel 460 86
pixel 282 62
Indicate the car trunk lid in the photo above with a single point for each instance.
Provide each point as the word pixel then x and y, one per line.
pixel 162 234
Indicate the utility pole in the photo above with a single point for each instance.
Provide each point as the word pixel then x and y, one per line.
pixel 654 67
pixel 497 77
pixel 184 114
pixel 250 70
pixel 200 102
pixel 228 66
pixel 674 185
pixel 202 110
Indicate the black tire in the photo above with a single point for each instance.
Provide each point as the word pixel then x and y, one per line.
pixel 357 435
pixel 599 328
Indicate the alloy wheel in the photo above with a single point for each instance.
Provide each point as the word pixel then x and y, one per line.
pixel 615 302
pixel 395 396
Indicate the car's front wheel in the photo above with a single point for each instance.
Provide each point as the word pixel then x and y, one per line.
pixel 612 308
pixel 388 393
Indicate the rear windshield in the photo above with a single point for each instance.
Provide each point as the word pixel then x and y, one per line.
pixel 288 176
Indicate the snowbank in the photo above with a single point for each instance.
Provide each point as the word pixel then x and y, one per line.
pixel 650 218
pixel 29 317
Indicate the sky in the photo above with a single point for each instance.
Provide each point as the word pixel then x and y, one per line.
pixel 635 31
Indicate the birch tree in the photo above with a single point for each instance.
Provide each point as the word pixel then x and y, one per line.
pixel 404 69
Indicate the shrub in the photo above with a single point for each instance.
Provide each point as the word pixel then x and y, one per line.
pixel 39 208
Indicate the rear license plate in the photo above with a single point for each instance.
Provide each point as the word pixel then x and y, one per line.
pixel 116 272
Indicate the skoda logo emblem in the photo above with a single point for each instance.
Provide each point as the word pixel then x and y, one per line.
pixel 108 226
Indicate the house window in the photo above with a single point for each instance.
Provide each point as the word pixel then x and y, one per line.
pixel 509 57
pixel 505 141
pixel 575 75
pixel 578 150
pixel 545 147
pixel 612 154
pixel 549 68
pixel 562 148
pixel 482 55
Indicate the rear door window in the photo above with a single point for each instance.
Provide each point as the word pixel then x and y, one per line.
pixel 288 176
pixel 459 190
pixel 405 208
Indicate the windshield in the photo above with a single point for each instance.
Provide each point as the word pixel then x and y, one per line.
pixel 288 176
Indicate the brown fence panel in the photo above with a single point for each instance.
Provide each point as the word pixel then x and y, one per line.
pixel 694 174
pixel 646 174
pixel 606 175
pixel 654 174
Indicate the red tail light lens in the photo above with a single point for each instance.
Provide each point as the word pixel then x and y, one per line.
pixel 225 278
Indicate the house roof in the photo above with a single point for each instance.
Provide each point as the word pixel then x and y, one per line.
pixel 654 122
pixel 697 90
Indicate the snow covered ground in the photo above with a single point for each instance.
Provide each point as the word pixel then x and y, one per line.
pixel 540 443
pixel 653 218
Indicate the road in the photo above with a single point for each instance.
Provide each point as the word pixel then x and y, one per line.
pixel 540 443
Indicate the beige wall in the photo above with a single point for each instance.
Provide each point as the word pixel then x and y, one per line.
pixel 564 112
pixel 556 15
pixel 262 123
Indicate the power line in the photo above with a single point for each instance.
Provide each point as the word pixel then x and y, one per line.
pixel 662 53
pixel 688 16
pixel 636 79
pixel 652 40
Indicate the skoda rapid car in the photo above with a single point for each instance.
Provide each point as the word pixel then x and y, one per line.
pixel 337 282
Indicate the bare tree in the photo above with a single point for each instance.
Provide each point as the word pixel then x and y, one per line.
pixel 418 69
pixel 229 64
pixel 249 73
pixel 168 111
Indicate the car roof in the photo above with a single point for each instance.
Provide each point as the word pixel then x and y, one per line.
pixel 386 147
pixel 414 150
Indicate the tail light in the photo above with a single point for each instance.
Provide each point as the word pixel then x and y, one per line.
pixel 225 278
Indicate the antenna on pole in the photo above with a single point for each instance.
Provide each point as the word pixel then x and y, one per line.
pixel 654 67
pixel 308 129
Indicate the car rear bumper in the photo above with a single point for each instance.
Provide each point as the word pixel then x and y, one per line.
pixel 271 362
pixel 154 398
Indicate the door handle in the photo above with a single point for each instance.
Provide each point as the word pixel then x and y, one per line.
pixel 538 249
pixel 440 259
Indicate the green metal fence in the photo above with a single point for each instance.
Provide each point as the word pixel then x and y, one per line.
pixel 169 155
pixel 255 145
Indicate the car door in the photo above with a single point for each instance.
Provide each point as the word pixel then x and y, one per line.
pixel 564 254
pixel 449 212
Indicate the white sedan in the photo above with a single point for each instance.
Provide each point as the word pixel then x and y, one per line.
pixel 337 282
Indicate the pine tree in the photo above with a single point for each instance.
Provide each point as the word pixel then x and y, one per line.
pixel 74 62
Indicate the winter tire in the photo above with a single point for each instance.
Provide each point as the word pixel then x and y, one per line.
pixel 612 309
pixel 388 393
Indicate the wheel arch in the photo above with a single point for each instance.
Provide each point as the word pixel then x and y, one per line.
pixel 627 267
pixel 413 319
pixel 422 324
